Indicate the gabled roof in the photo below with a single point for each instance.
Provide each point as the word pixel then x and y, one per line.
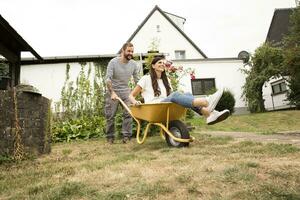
pixel 171 21
pixel 279 25
pixel 11 41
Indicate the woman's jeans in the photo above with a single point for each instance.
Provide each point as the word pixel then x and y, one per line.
pixel 183 99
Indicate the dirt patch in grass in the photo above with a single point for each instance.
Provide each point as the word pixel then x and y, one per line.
pixel 287 137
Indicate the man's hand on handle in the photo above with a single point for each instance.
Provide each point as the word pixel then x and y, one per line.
pixel 114 96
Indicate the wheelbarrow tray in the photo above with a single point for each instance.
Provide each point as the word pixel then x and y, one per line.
pixel 158 112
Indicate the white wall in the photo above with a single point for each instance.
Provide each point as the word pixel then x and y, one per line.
pixel 169 38
pixel 274 102
pixel 49 78
pixel 226 73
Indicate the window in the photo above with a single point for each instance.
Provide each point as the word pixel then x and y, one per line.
pixel 180 54
pixel 202 86
pixel 278 87
pixel 157 28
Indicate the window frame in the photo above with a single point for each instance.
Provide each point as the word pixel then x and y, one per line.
pixel 158 28
pixel 202 80
pixel 279 83
pixel 180 51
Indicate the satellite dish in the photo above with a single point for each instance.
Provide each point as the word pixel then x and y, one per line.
pixel 244 55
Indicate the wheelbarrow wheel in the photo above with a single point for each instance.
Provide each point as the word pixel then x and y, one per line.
pixel 179 130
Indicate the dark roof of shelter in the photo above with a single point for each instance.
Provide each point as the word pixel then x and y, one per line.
pixel 13 41
pixel 72 59
pixel 171 21
pixel 66 59
pixel 279 25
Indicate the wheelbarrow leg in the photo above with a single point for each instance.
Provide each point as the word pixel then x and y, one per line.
pixel 144 136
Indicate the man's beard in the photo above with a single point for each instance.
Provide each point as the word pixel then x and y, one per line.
pixel 128 57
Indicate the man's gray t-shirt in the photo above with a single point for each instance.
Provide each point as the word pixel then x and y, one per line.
pixel 120 74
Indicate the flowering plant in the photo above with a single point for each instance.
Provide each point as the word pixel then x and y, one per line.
pixel 192 74
pixel 175 73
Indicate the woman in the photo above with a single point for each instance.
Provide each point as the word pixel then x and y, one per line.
pixel 156 87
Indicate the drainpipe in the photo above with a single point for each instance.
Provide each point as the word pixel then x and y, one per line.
pixel 141 64
pixel 272 102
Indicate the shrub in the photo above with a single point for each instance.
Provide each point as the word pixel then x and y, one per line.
pixel 78 128
pixel 190 114
pixel 227 101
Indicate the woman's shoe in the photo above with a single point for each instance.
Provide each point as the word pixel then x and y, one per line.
pixel 214 99
pixel 216 116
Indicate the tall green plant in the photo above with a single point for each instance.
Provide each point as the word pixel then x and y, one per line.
pixel 264 64
pixel 67 102
pixel 4 69
pixel 86 96
pixel 291 56
pixel 99 85
pixel 81 104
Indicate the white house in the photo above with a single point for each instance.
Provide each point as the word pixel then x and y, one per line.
pixel 275 94
pixel 165 31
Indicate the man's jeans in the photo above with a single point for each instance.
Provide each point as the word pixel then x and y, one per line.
pixel 111 107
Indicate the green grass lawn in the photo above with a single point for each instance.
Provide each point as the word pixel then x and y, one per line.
pixel 210 168
pixel 269 122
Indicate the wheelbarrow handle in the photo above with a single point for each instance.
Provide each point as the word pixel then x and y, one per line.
pixel 138 130
pixel 124 105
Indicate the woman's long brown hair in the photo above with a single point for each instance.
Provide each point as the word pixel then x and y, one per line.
pixel 164 78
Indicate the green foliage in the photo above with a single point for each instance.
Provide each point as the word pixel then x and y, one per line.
pixel 291 56
pixel 78 128
pixel 264 64
pixel 190 114
pixel 227 101
pixel 81 106
pixel 5 159
pixel 99 85
pixel 4 69
pixel 148 60
pixel 154 45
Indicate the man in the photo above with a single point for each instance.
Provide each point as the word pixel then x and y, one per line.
pixel 119 72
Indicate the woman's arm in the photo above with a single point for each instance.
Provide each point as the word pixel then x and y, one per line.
pixel 137 90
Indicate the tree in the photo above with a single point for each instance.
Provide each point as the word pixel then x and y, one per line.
pixel 264 64
pixel 291 57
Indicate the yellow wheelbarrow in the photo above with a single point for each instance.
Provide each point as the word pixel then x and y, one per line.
pixel 167 116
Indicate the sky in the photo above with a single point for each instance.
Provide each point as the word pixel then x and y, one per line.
pixel 220 28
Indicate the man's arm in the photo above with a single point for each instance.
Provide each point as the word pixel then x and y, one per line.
pixel 109 75
pixel 110 89
pixel 136 74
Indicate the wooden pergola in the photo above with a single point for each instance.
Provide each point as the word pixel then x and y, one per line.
pixel 11 46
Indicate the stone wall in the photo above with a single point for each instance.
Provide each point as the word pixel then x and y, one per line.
pixel 25 123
